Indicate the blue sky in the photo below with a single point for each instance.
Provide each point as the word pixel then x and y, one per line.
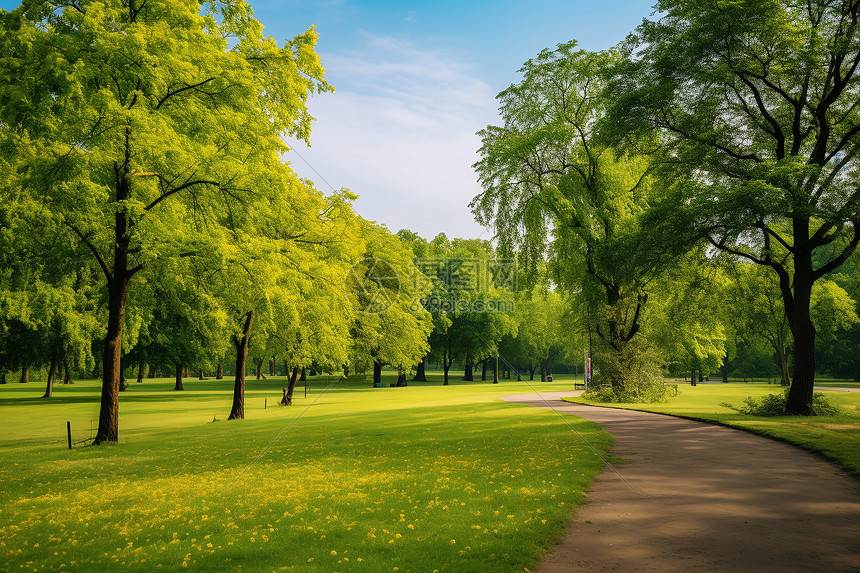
pixel 415 81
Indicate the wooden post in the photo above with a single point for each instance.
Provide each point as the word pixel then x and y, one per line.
pixel 69 433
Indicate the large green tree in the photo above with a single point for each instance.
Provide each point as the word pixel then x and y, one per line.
pixel 133 111
pixel 556 184
pixel 757 104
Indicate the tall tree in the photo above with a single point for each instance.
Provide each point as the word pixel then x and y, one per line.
pixel 556 184
pixel 757 104
pixel 125 131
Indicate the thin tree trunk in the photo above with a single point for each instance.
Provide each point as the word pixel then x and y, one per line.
pixel 178 377
pixel 484 369
pixel 542 373
pixel 445 365
pixel 467 374
pixel 242 344
pixel 259 363
pixel 220 372
pixel 272 364
pixel 532 371
pixel 496 371
pixel 52 370
pixel 25 374
pixel 141 371
pixel 783 367
pixel 287 399
pixel 377 372
pixel 304 375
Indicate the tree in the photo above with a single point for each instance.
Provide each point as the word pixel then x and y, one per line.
pixel 756 101
pixel 540 334
pixel 690 313
pixel 555 183
pixel 123 132
pixel 385 288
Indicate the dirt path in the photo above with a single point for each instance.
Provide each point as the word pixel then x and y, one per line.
pixel 699 497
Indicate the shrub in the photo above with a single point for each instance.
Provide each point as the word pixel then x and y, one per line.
pixel 631 375
pixel 774 405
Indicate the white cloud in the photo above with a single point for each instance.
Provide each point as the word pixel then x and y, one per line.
pixel 400 132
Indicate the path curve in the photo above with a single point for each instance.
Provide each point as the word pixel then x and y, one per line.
pixel 701 497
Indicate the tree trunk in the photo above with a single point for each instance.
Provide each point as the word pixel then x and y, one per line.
pixel 377 372
pixel 725 370
pixel 467 374
pixel 519 377
pixel 272 367
pixel 287 400
pixel 800 394
pixel 496 371
pixel 542 373
pixel 420 374
pixel 445 365
pixel 25 373
pixel 220 372
pixel 484 369
pixel 532 371
pixel 313 371
pixel 259 363
pixel 304 376
pixel 112 356
pixel 242 344
pixel 346 370
pixel 178 377
pixel 141 371
pixel 783 367
pixel 2 376
pixel 52 370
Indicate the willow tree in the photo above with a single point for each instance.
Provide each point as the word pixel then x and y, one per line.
pixel 555 184
pixel 136 110
pixel 757 103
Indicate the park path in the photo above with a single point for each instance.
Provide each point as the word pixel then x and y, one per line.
pixel 691 496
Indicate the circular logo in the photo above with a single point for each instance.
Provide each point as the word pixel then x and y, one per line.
pixel 372 285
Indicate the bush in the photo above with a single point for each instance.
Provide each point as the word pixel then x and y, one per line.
pixel 774 405
pixel 631 375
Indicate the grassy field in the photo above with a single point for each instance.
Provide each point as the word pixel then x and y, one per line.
pixel 350 478
pixel 836 437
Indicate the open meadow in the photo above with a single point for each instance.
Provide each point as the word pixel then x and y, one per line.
pixel 350 478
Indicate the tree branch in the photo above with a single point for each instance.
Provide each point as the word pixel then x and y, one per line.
pixel 92 248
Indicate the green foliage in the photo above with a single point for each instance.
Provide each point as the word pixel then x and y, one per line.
pixel 632 375
pixel 756 105
pixel 771 405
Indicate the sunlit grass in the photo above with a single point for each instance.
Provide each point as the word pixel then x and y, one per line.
pixel 836 437
pixel 418 478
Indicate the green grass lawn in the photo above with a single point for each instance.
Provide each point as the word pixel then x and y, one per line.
pixel 421 478
pixel 836 437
